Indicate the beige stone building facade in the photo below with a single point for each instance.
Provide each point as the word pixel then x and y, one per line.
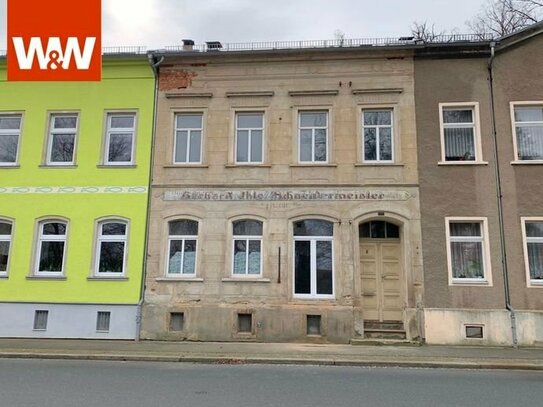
pixel 285 198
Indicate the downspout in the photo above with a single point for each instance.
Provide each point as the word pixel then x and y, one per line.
pixel 154 66
pixel 500 199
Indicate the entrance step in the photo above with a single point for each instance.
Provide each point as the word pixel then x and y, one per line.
pixel 384 330
pixel 383 342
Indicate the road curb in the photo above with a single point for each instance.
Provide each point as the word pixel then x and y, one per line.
pixel 234 360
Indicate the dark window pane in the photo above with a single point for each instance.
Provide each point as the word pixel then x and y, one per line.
pixel 122 122
pixel 378 229
pixel 364 230
pixel 65 122
pixel 51 256
pixel 240 256
pixel 247 228
pixel 306 143
pixel 10 122
pixel 8 148
pixel 530 142
pixel 62 148
pixel 324 267
pixel 535 260
pixel 459 144
pixel 242 150
pixel 120 147
pixel 533 229
pixel 256 146
pixel 302 267
pixel 529 114
pixel 176 252
pixel 385 144
pixel 458 116
pixel 189 257
pixel 370 144
pixel 320 145
pixel 465 229
pixel 467 260
pixel 378 118
pixel 5 228
pixel 195 146
pixel 113 229
pixel 313 227
pixel 313 119
pixel 4 255
pixel 183 228
pixel 254 257
pixel 393 231
pixel 111 257
pixel 54 228
pixel 249 120
pixel 189 121
pixel 181 147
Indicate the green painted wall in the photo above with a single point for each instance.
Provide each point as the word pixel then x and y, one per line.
pixel 127 84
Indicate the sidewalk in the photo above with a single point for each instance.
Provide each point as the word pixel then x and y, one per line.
pixel 275 353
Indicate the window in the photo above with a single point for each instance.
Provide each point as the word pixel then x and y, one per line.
pixel 111 249
pixel 10 132
pixel 247 248
pixel 528 130
pixel 533 250
pixel 5 243
pixel 40 320
pixel 249 138
pixel 51 248
pixel 182 241
pixel 245 323
pixel 377 136
pixel 62 137
pixel 378 229
pixel 468 251
pixel 188 138
pixel 313 135
pixel 177 321
pixel 121 129
pixel 474 331
pixel 460 137
pixel 313 259
pixel 313 325
pixel 102 321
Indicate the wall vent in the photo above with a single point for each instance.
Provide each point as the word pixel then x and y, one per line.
pixel 102 321
pixel 177 321
pixel 474 331
pixel 314 325
pixel 245 323
pixel 40 320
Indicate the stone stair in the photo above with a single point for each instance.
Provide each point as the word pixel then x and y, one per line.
pixel 384 330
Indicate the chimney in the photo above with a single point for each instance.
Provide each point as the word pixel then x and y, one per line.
pixel 188 45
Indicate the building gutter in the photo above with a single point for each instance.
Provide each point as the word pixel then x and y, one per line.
pixel 154 66
pixel 499 197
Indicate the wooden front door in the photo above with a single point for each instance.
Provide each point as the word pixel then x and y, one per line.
pixel 381 273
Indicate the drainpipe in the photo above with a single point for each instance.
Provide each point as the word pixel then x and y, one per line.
pixel 500 200
pixel 154 66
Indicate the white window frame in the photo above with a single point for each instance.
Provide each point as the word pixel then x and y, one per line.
pixel 52 130
pixel 299 141
pixel 12 132
pixel 250 130
pixel 110 238
pixel 50 238
pixel 182 238
pixel 476 125
pixel 485 246
pixel 189 131
pixel 378 129
pixel 109 131
pixel 9 239
pixel 525 240
pixel 247 238
pixel 516 159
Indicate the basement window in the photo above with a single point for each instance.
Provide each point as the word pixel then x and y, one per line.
pixel 314 325
pixel 40 320
pixel 474 331
pixel 245 323
pixel 177 321
pixel 102 321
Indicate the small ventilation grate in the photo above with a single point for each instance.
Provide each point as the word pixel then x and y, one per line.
pixel 474 331
pixel 313 324
pixel 245 323
pixel 102 321
pixel 40 320
pixel 177 321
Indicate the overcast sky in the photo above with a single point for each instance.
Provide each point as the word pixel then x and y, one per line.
pixel 155 23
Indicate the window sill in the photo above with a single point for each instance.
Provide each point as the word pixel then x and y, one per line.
pixel 245 280
pixel 57 166
pixel 462 163
pixel 527 162
pixel 9 167
pixel 4 276
pixel 298 297
pixel 185 166
pixel 312 165
pixel 531 284
pixel 62 278
pixel 476 283
pixel 176 279
pixel 112 166
pixel 103 278
pixel 379 165
pixel 247 166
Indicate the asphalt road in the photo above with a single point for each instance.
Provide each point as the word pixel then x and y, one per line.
pixel 49 383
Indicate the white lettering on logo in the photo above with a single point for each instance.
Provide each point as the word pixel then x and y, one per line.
pixel 54 57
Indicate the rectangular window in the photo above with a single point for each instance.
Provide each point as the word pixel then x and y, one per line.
pixel 528 130
pixel 10 133
pixel 102 321
pixel 40 320
pixel 247 248
pixel 377 133
pixel 460 136
pixel 182 243
pixel 313 137
pixel 5 244
pixel 533 250
pixel 111 249
pixel 62 139
pixel 188 138
pixel 468 254
pixel 51 248
pixel 177 321
pixel 245 323
pixel 120 135
pixel 314 325
pixel 249 138
pixel 474 331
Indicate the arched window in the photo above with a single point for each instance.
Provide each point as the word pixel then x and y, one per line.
pixel 182 241
pixel 5 244
pixel 111 248
pixel 51 247
pixel 313 258
pixel 247 248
